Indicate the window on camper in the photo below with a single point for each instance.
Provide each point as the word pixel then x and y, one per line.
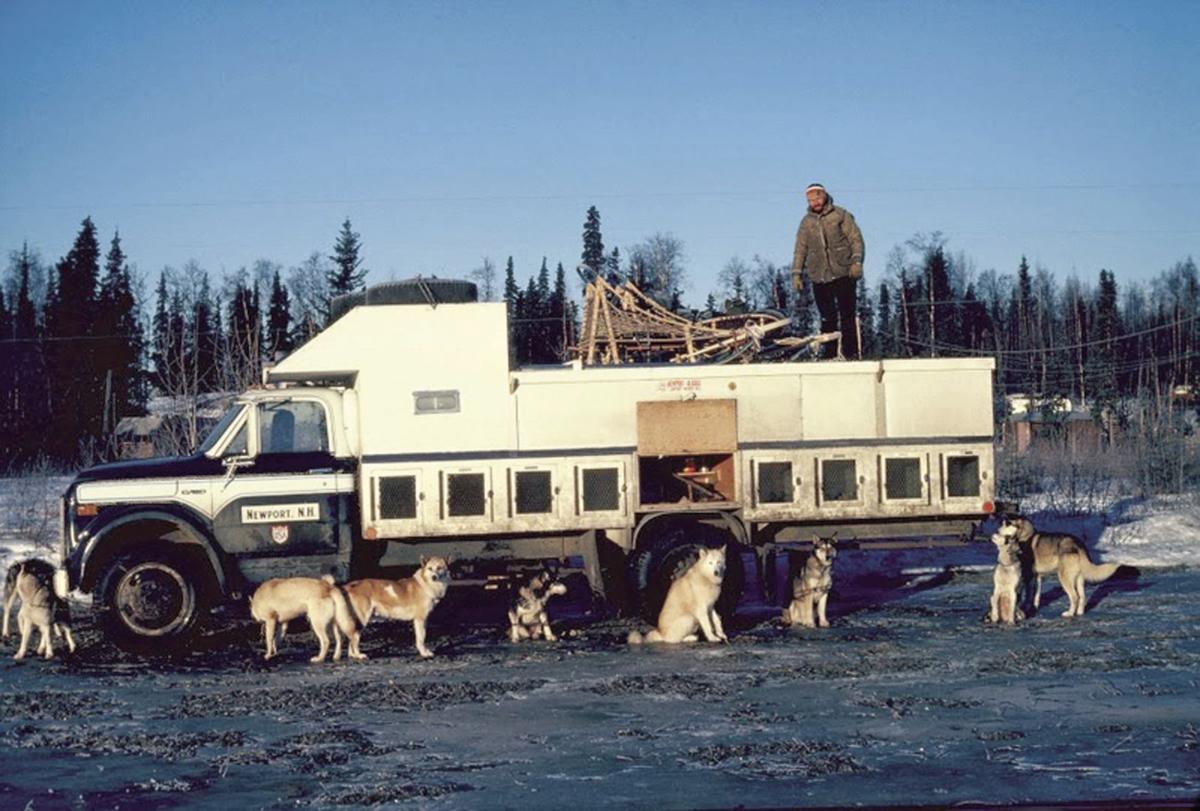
pixel 601 489
pixel 465 494
pixel 962 476
pixel 533 492
pixel 397 497
pixel 839 480
pixel 292 426
pixel 435 402
pixel 774 483
pixel 902 478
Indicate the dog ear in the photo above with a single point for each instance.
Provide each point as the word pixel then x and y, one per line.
pixel 424 560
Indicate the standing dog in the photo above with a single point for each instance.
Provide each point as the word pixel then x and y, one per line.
pixel 1006 581
pixel 277 602
pixel 32 582
pixel 410 598
pixel 1059 553
pixel 690 604
pixel 810 589
pixel 527 618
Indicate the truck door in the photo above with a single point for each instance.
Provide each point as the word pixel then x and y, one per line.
pixel 285 507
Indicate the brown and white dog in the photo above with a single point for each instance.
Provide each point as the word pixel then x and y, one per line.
pixel 277 602
pixel 527 618
pixel 1006 580
pixel 32 582
pixel 810 589
pixel 691 603
pixel 1057 552
pixel 410 598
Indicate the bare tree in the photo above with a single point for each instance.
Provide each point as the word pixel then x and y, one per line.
pixel 657 266
pixel 310 294
pixel 485 277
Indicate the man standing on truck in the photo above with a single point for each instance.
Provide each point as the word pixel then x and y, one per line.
pixel 830 246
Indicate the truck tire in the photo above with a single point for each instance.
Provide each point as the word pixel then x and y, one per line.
pixel 653 567
pixel 149 601
pixel 408 291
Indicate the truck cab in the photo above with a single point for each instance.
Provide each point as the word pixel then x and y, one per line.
pixel 270 492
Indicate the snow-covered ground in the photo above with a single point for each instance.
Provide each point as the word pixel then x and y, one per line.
pixel 908 698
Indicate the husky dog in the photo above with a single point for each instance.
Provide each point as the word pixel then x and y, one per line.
pixel 410 598
pixel 690 603
pixel 1060 553
pixel 1006 580
pixel 811 587
pixel 32 582
pixel 527 618
pixel 277 602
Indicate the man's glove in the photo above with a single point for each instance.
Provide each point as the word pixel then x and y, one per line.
pixel 856 270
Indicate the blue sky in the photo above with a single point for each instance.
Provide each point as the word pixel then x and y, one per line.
pixel 226 132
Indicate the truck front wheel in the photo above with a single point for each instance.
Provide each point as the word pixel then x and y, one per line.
pixel 148 600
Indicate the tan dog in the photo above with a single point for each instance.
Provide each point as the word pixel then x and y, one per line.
pixel 810 589
pixel 1060 553
pixel 527 618
pixel 32 582
pixel 410 598
pixel 690 604
pixel 1006 581
pixel 277 602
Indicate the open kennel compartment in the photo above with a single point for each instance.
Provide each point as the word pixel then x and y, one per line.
pixel 686 452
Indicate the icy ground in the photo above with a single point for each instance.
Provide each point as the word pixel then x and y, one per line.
pixel 908 699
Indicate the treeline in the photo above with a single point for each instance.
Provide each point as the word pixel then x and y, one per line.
pixel 83 344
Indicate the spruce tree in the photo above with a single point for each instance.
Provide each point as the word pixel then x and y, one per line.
pixel 279 340
pixel 8 438
pixel 160 325
pixel 346 274
pixel 512 305
pixel 593 245
pixel 204 341
pixel 243 342
pixel 76 391
pixel 1102 362
pixel 119 337
pixel 612 266
pixel 561 332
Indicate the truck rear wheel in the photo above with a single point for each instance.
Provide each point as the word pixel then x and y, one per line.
pixel 148 600
pixel 654 567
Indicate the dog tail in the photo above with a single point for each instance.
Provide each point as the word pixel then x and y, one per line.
pixel 1097 572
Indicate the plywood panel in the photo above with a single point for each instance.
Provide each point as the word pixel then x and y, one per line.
pixel 687 426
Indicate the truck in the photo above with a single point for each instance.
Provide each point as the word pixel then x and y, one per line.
pixel 402 430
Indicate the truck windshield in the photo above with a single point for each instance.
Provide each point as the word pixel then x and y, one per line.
pixel 217 430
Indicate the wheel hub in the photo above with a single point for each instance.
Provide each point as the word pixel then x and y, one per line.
pixel 153 599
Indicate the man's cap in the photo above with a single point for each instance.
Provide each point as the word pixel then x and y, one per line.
pixel 814 187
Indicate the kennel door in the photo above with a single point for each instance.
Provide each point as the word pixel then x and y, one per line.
pixel 677 427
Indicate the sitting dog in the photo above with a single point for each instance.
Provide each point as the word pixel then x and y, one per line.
pixel 1064 554
pixel 277 602
pixel 810 589
pixel 1006 581
pixel 690 603
pixel 32 582
pixel 527 618
pixel 410 598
